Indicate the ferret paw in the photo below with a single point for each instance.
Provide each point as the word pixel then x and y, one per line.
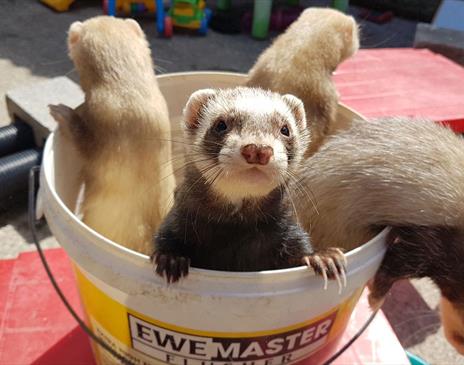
pixel 170 267
pixel 330 264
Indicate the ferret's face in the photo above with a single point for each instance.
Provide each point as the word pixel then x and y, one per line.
pixel 245 142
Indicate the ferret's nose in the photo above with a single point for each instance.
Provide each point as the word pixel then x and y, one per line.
pixel 254 154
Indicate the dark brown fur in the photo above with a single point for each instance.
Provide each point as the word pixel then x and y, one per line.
pixel 417 252
pixel 239 228
pixel 202 231
pixel 433 252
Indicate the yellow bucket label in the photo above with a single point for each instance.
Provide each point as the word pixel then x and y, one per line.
pixel 145 340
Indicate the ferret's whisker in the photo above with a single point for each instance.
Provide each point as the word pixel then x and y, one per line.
pixel 70 72
pixel 202 172
pixel 50 63
pixel 213 143
pixel 307 190
pixel 184 166
pixel 211 173
pixel 218 175
pixel 181 157
pixel 183 142
pixel 383 41
pixel 289 196
pixel 155 186
pixel 163 60
pixel 169 203
pixel 301 188
pixel 195 183
pixel 191 154
pixel 159 69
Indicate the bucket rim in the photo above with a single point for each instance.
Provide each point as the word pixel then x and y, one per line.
pixel 376 245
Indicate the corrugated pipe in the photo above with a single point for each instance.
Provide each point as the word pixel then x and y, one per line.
pixel 14 171
pixel 15 137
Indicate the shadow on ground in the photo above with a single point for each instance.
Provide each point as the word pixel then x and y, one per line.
pixel 15 233
pixel 410 314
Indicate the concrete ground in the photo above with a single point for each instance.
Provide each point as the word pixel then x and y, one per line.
pixel 33 48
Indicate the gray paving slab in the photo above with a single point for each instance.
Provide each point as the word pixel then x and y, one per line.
pixel 448 42
pixel 412 310
pixel 30 103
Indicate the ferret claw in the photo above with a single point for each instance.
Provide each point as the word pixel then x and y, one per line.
pixel 342 256
pixel 170 267
pixel 344 278
pixel 330 264
pixel 334 269
pixel 316 263
pixel 323 268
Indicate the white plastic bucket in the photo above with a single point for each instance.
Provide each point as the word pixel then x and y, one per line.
pixel 211 317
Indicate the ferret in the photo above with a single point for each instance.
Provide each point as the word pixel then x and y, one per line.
pixel 121 131
pixel 404 173
pixel 233 212
pixel 301 62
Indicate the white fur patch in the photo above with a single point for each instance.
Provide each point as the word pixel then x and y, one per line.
pixel 239 183
pixel 259 111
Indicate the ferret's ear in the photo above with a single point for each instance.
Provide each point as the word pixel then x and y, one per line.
pixel 61 113
pixel 297 108
pixel 74 33
pixel 135 27
pixel 194 105
pixel 351 39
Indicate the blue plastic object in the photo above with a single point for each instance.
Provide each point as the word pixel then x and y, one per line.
pixel 160 17
pixel 204 22
pixel 111 7
pixel 203 26
pixel 415 360
pixel 208 14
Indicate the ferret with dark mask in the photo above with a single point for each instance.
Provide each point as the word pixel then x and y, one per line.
pixel 233 211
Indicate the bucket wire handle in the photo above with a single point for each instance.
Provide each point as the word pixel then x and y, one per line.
pixel 32 225
pixel 32 222
pixel 352 339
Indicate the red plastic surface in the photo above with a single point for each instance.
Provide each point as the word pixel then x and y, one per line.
pixel 403 82
pixel 35 327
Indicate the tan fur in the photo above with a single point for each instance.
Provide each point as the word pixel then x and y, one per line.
pixel 394 172
pixel 453 324
pixel 382 172
pixel 122 131
pixel 301 62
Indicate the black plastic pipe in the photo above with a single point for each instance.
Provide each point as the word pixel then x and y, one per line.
pixel 15 137
pixel 14 171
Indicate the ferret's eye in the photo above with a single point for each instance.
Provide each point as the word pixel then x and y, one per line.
pixel 221 126
pixel 285 131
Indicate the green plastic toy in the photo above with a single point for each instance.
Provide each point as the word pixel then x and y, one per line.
pixel 190 14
